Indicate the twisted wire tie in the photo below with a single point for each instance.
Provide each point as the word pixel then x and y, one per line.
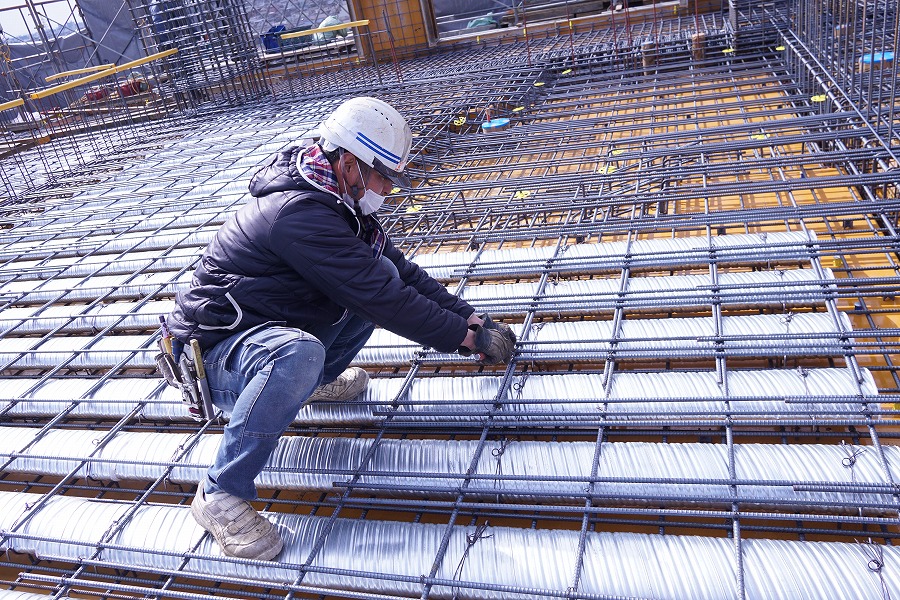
pixel 471 540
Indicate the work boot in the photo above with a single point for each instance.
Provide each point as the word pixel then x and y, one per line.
pixel 239 529
pixel 349 384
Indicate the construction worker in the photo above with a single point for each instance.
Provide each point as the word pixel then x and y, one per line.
pixel 288 292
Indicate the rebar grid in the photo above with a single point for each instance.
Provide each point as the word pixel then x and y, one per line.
pixel 596 168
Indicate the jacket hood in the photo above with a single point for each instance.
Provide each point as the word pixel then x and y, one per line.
pixel 280 175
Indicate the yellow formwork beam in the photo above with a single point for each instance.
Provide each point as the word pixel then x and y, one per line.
pixel 56 76
pixel 146 59
pixel 11 104
pixel 105 73
pixel 296 34
pixel 72 84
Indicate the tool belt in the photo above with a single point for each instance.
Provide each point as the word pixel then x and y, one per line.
pixel 181 365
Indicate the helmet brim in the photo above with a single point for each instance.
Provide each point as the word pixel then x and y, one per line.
pixel 397 178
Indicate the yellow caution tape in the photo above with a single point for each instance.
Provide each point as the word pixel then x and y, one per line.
pixel 819 98
pixel 521 194
pixel 779 48
pixel 728 51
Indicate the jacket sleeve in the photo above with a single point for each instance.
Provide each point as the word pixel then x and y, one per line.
pixel 417 277
pixel 321 246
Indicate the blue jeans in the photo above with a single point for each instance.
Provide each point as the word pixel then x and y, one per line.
pixel 262 377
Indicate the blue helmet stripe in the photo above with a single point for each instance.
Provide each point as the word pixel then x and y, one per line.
pixel 377 149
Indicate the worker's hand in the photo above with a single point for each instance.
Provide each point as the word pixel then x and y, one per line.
pixel 491 345
pixel 503 328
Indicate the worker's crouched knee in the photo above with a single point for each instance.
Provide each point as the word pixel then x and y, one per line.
pixel 295 362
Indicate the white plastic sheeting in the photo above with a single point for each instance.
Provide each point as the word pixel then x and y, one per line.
pixel 536 396
pixel 624 564
pixel 437 467
pixel 754 248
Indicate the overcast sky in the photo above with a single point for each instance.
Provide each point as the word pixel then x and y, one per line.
pixel 14 21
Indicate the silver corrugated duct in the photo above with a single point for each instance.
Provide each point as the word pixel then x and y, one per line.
pixel 35 319
pixel 528 560
pixel 185 238
pixel 812 334
pixel 630 473
pixel 532 396
pixel 102 264
pixel 785 288
pixel 108 287
pixel 780 288
pixel 684 251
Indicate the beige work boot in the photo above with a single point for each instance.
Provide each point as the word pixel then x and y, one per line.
pixel 349 384
pixel 239 529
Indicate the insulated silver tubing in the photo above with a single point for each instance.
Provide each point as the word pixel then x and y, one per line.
pixel 581 258
pixel 806 334
pixel 495 563
pixel 782 288
pixel 531 397
pixel 628 473
pixel 794 334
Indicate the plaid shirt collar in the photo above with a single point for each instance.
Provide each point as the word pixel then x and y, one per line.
pixel 315 168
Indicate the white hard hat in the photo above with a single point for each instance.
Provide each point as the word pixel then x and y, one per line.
pixel 374 132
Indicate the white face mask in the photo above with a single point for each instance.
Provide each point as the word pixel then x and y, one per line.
pixel 370 201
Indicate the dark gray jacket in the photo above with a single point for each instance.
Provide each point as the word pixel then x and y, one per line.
pixel 299 256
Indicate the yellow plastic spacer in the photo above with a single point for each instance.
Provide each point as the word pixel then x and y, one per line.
pixel 779 48
pixel 413 209
pixel 819 98
pixel 538 83
pixel 728 51
pixel 836 262
pixel 521 194
pixel 567 71
pixel 518 109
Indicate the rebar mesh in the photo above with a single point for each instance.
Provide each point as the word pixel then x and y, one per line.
pixel 698 253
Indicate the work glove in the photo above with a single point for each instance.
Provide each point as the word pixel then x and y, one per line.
pixel 501 327
pixel 492 344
